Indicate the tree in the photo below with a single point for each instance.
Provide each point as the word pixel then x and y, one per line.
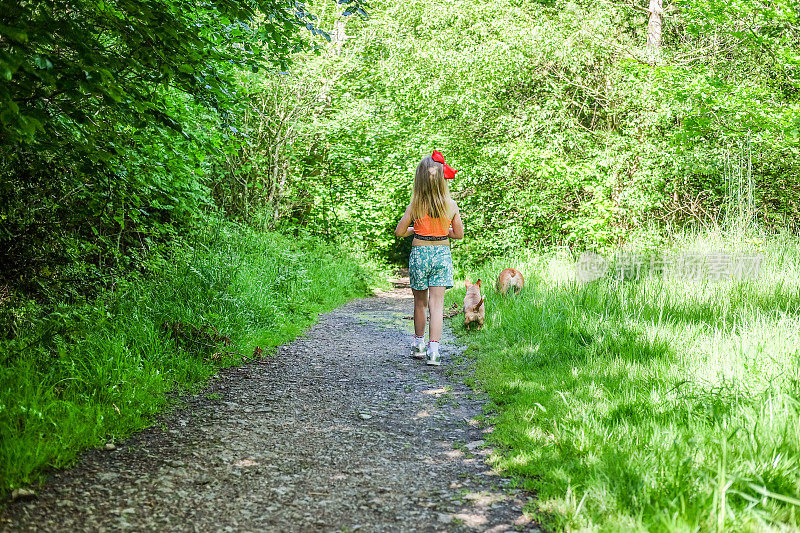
pixel 656 11
pixel 110 111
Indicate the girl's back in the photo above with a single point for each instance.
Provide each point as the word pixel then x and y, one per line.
pixel 436 227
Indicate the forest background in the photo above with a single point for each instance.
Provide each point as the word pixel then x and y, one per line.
pixel 129 121
pixel 169 140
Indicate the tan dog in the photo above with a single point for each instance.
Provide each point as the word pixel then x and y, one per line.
pixel 510 278
pixel 474 310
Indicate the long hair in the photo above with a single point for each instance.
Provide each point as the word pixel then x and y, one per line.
pixel 431 195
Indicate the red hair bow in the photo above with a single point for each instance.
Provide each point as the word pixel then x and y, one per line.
pixel 449 172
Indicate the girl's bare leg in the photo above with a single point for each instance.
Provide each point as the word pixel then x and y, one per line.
pixel 420 311
pixel 436 304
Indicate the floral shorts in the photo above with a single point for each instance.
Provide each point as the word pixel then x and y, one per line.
pixel 430 266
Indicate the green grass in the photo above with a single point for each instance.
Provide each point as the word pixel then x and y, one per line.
pixel 87 374
pixel 659 405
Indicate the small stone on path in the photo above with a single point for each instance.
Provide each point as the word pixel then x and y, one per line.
pixel 19 494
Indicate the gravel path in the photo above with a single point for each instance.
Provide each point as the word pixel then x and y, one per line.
pixel 340 431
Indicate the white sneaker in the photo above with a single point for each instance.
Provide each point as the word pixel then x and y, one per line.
pixel 418 350
pixel 433 358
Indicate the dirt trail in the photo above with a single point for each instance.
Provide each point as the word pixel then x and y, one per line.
pixel 340 431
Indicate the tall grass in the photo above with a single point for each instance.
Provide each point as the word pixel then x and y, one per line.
pixel 663 404
pixel 84 375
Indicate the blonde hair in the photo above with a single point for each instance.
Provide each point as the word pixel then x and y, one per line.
pixel 431 195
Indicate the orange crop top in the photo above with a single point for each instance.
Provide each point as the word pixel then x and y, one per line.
pixel 431 227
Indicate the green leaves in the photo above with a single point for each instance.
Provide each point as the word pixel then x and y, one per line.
pixel 113 113
pixel 354 7
pixel 42 63
pixel 563 130
pixel 14 34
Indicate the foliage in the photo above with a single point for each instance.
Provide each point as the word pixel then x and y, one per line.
pixel 83 375
pixel 565 129
pixel 112 115
pixel 730 105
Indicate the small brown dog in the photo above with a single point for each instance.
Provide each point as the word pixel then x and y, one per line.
pixel 474 310
pixel 510 278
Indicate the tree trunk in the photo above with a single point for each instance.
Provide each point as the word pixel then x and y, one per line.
pixel 339 35
pixel 654 25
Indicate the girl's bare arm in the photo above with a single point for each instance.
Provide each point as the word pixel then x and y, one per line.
pixel 404 227
pixel 457 229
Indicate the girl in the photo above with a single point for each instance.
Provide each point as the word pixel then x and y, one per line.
pixel 435 219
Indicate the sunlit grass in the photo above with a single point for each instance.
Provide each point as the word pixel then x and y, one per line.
pixel 88 374
pixel 659 404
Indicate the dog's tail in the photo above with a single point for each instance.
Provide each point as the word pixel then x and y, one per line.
pixel 477 305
